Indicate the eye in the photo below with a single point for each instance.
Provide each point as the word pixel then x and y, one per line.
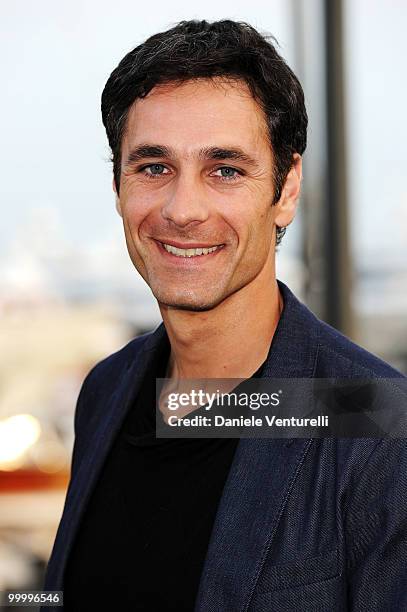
pixel 153 170
pixel 228 174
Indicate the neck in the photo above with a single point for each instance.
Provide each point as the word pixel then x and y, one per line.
pixel 230 341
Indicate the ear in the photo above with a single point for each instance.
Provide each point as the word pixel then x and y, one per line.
pixel 286 207
pixel 118 207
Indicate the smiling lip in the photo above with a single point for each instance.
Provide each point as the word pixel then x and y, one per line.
pixel 189 245
pixel 188 259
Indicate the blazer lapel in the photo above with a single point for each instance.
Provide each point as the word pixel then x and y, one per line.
pixel 253 498
pixel 260 478
pixel 85 477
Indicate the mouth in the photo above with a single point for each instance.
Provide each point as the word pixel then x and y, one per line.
pixel 190 250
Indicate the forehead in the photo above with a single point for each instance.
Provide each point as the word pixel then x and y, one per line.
pixel 196 113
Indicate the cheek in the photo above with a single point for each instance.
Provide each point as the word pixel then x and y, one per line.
pixel 137 210
pixel 254 230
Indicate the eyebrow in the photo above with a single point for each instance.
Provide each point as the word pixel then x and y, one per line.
pixel 154 151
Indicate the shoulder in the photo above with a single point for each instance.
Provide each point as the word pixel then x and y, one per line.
pixel 332 353
pixel 338 355
pixel 101 381
pixel 111 366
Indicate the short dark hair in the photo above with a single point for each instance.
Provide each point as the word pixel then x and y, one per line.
pixel 200 49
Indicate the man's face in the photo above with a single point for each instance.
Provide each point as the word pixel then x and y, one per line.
pixel 197 174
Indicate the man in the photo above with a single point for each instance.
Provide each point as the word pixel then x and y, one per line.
pixel 207 126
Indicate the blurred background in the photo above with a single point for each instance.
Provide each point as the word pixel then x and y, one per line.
pixel 69 295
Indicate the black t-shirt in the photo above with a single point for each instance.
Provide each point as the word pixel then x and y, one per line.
pixel 143 539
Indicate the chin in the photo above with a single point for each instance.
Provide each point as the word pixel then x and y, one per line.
pixel 186 302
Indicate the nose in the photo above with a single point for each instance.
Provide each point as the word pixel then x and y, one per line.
pixel 186 202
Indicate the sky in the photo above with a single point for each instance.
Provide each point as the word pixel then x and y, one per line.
pixel 56 57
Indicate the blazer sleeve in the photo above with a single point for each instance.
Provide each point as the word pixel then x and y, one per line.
pixel 85 407
pixel 376 532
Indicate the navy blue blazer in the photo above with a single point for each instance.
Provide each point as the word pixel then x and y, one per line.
pixel 303 524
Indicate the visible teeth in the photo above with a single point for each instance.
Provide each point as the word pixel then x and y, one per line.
pixel 188 252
